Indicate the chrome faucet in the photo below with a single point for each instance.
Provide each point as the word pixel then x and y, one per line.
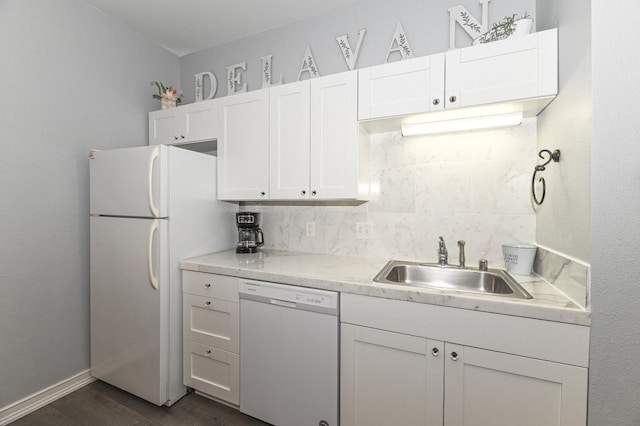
pixel 462 259
pixel 443 256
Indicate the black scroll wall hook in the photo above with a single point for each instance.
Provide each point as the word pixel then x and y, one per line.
pixel 553 156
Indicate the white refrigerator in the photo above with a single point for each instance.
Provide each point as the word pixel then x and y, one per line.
pixel 150 207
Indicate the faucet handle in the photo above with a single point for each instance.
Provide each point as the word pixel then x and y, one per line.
pixel 462 258
pixel 483 265
pixel 441 243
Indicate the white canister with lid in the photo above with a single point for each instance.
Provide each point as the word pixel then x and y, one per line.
pixel 518 258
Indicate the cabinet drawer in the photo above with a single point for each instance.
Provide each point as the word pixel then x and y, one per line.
pixel 212 371
pixel 211 285
pixel 211 322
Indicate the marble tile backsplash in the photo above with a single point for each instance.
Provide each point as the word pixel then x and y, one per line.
pixel 472 187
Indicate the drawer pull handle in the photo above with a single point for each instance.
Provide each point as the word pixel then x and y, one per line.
pixel 207 285
pixel 207 303
pixel 207 353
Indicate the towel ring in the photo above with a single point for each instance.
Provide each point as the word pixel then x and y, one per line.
pixel 553 156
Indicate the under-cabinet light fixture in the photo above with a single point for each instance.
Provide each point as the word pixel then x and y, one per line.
pixel 463 124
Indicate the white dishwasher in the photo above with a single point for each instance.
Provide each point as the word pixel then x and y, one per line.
pixel 289 354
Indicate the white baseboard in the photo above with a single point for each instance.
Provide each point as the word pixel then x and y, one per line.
pixel 43 397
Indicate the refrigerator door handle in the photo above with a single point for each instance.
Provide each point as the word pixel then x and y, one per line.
pixel 152 206
pixel 153 280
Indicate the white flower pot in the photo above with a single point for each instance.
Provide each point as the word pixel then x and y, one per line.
pixel 167 103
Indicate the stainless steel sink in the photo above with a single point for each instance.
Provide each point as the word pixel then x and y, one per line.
pixel 493 281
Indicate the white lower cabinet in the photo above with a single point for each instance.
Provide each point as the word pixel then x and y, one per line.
pixel 490 388
pixel 391 377
pixel 211 335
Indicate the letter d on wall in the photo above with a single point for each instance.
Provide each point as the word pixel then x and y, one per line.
pixel 213 85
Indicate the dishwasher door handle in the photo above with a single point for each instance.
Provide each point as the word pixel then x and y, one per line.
pixel 283 303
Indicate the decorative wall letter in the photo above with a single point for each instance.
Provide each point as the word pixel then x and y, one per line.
pixel 213 85
pixel 266 72
pixel 402 44
pixel 350 55
pixel 308 65
pixel 234 78
pixel 473 28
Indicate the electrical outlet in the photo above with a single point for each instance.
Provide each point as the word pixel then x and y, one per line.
pixel 311 229
pixel 363 230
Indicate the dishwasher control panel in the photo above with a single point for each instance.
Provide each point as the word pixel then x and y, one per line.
pixel 299 297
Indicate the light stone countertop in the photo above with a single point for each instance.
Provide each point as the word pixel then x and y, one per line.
pixel 355 275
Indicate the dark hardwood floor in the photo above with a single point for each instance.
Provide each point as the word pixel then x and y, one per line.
pixel 101 404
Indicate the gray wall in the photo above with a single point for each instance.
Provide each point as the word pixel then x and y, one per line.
pixel 74 79
pixel 615 334
pixel 426 24
pixel 563 222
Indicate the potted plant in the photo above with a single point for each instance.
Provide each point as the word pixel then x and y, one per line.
pixel 510 26
pixel 168 96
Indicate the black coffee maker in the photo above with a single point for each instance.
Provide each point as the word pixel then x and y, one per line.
pixel 249 233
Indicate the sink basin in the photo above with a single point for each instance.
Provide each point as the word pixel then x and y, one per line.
pixel 493 281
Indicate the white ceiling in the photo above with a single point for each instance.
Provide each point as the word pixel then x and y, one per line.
pixel 187 26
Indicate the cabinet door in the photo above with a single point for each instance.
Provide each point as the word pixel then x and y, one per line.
pixel 289 139
pixel 243 146
pixel 334 136
pixel 164 126
pixel 212 371
pixel 400 88
pixel 199 121
pixel 512 69
pixel 389 378
pixel 211 322
pixel 491 388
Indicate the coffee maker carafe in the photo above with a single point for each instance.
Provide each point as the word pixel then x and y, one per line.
pixel 249 233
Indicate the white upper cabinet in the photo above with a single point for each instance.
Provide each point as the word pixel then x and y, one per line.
pixel 243 146
pixel 289 141
pixel 296 141
pixel 339 152
pixel 521 70
pixel 401 88
pixel 524 67
pixel 188 123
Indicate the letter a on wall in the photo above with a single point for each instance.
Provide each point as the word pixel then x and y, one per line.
pixel 401 44
pixel 350 55
pixel 308 65
pixel 472 27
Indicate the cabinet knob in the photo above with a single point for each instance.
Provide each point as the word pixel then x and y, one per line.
pixel 262 194
pixel 454 356
pixel 207 303
pixel 453 99
pixel 313 192
pixel 175 138
pixel 181 136
pixel 207 353
pixel 303 192
pixel 207 285
pixel 436 101
pixel 435 352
